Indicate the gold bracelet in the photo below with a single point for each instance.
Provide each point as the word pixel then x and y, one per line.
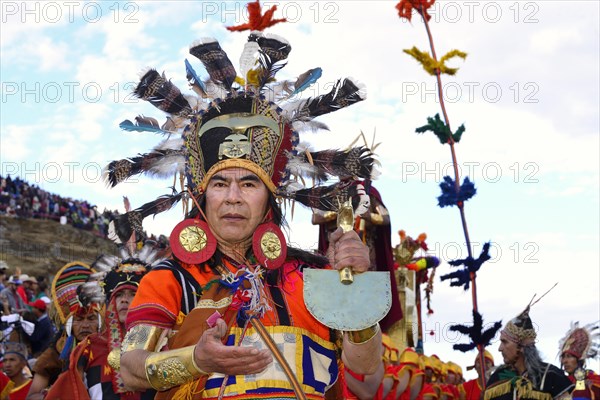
pixel 172 368
pixel 364 335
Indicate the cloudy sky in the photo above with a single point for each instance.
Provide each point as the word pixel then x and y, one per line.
pixel 527 94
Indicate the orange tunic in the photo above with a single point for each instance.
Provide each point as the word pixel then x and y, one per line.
pixel 305 342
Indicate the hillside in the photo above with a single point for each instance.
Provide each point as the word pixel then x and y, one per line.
pixel 43 246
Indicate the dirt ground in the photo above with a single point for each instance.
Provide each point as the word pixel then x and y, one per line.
pixel 41 247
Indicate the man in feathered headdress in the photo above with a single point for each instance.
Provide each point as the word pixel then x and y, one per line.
pixel 579 344
pixel 77 315
pixel 524 374
pixel 226 317
pixel 94 370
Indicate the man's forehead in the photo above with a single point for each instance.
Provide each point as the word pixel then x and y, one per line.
pixel 235 173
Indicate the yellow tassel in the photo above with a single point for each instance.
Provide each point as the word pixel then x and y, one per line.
pixel 252 77
pixel 498 390
pixel 187 391
pixel 430 65
pixel 180 319
pixel 525 390
pixel 240 81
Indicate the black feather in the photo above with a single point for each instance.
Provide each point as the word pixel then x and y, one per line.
pixel 126 224
pixel 162 94
pixel 355 163
pixel 476 334
pixel 216 62
pixel 343 94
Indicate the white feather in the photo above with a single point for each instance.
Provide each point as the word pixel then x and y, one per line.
pixel 201 41
pixel 248 58
pixel 278 91
pixel 309 126
pixel 215 91
pixel 170 144
pixel 168 166
pixel 364 201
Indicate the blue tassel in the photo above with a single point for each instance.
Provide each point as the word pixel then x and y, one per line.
pixel 449 196
pixel 66 351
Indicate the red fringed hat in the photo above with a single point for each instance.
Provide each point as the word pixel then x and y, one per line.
pixel 581 342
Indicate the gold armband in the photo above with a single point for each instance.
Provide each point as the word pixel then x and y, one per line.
pixel 364 335
pixel 172 368
pixel 142 337
pixel 376 219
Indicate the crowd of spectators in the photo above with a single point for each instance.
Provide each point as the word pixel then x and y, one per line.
pixel 20 199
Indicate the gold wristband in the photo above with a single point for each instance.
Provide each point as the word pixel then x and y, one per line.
pixel 171 368
pixel 364 335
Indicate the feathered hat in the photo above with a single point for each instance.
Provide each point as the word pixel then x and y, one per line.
pixel 117 273
pixel 520 329
pixel 125 271
pixel 581 341
pixel 17 348
pixel 64 289
pixel 244 118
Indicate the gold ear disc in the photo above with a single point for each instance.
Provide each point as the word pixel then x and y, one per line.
pixel 270 245
pixel 193 239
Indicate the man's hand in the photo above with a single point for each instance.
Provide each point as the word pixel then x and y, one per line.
pixel 347 250
pixel 212 355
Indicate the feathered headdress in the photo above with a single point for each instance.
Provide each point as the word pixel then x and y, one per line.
pixel 124 271
pixel 520 329
pixel 582 342
pixel 117 273
pixel 65 289
pixel 245 118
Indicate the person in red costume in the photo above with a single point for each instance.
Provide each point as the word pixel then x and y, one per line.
pixel 579 344
pixel 471 390
pixel 13 363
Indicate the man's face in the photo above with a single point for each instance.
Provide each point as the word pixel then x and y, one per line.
pixel 452 378
pixel 84 325
pixel 123 299
pixel 13 365
pixel 510 350
pixel 236 203
pixel 488 366
pixel 569 362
